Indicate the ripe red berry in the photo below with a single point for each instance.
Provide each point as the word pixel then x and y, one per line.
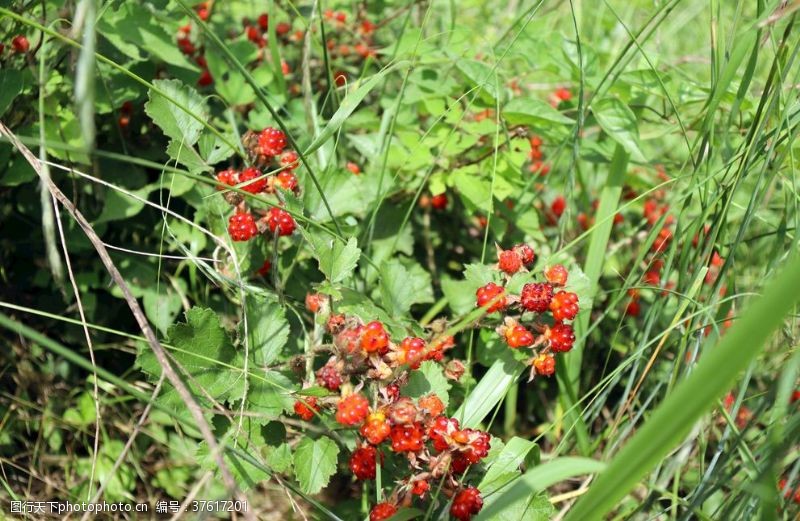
pixel 280 221
pixel 352 409
pixel 282 28
pixel 20 44
pixel 556 275
pixel 561 337
pixel 286 180
pixel 407 438
pixel 375 428
pixel 477 444
pixel 536 296
pixel 256 182
pixel 525 253
pixel 289 160
pixel 441 430
pixel 662 241
pixel 509 261
pixel 374 338
pixel 362 462
pixel 431 404
pixel 466 504
pixel 263 21
pixel 564 305
pixel 271 141
pixel 544 365
pixel 439 202
pixel 205 78
pixel 229 177
pixel 354 168
pixel 411 352
pixel 492 297
pixel 518 336
pixel 403 411
pixel 382 511
pixel 314 302
pixel 420 487
pixel 633 308
pixel 242 227
pixel 264 269
pixel 329 377
pixel 305 407
pixel 558 206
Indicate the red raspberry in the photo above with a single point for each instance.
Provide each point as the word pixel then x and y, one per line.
pixel 352 409
pixel 392 392
pixel 205 78
pixel 509 261
pixel 375 338
pixel 382 511
pixel 289 160
pixel 362 462
pixel 271 141
pixel 477 443
pixel 280 221
pixel 314 302
pixel 440 432
pixel 329 377
pixel 255 181
pixel 536 296
pixel 411 352
pixel 466 504
pixel 662 241
pixel 795 397
pixel 340 17
pixel 376 428
pixel 489 293
pixel 420 487
pixel 242 227
pixel 439 202
pixel 263 21
pixel 403 411
pixel 431 404
pixel 340 78
pixel 556 275
pixel 264 269
pixel 564 305
pixel 354 168
pixel 544 365
pixel 535 141
pixel 518 336
pixel 285 181
pixel 526 253
pixel 305 407
pixel 558 206
pixel 561 337
pixel 407 438
pixel 633 308
pixel 20 44
pixel 229 177
pixel 335 323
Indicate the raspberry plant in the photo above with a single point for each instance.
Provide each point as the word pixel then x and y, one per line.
pixel 401 260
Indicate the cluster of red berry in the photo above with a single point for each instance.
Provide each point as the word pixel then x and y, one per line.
pixel 186 44
pixel 535 299
pixel 433 445
pixel 265 148
pixel 536 156
pixel 360 46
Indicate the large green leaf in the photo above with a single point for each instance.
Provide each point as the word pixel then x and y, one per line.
pixel 171 110
pixel 619 123
pixel 315 463
pixel 533 111
pixel 429 378
pixel 267 329
pixel 402 287
pixel 336 260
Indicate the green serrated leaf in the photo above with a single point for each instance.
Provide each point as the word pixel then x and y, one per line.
pixel 267 329
pixel 429 378
pixel 336 260
pixel 403 287
pixel 171 110
pixel 533 111
pixel 315 463
pixel 619 122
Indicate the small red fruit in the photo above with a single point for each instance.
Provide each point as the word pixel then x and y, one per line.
pixel 525 253
pixel 466 504
pixel 229 177
pixel 420 487
pixel 256 182
pixel 263 21
pixel 518 336
pixel 375 338
pixel 412 351
pixel 407 438
pixel 492 297
pixel 242 227
pixel 264 269
pixel 431 404
pixel 314 302
pixel 561 337
pixel 536 296
pixel 509 261
pixel 544 365
pixel 352 409
pixel 205 78
pixel 271 141
pixel 362 462
pixel 329 377
pixel 20 44
pixel 556 275
pixel 376 428
pixel 558 206
pixel 439 202
pixel 564 305
pixel 286 180
pixel 382 511
pixel 280 221
pixel 354 168
pixel 306 407
pixel 289 160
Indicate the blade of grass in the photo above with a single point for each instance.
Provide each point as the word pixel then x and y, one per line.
pixel 693 397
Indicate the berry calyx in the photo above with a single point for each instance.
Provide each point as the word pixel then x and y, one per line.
pixel 466 504
pixel 375 428
pixel 375 338
pixel 255 182
pixel 564 305
pixel 561 337
pixel 544 364
pixel 271 141
pixel 242 227
pixel 492 297
pixel 556 275
pixel 306 407
pixel 382 511
pixel 362 462
pixel 280 221
pixel 536 296
pixel 509 261
pixel 352 409
pixel 517 336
